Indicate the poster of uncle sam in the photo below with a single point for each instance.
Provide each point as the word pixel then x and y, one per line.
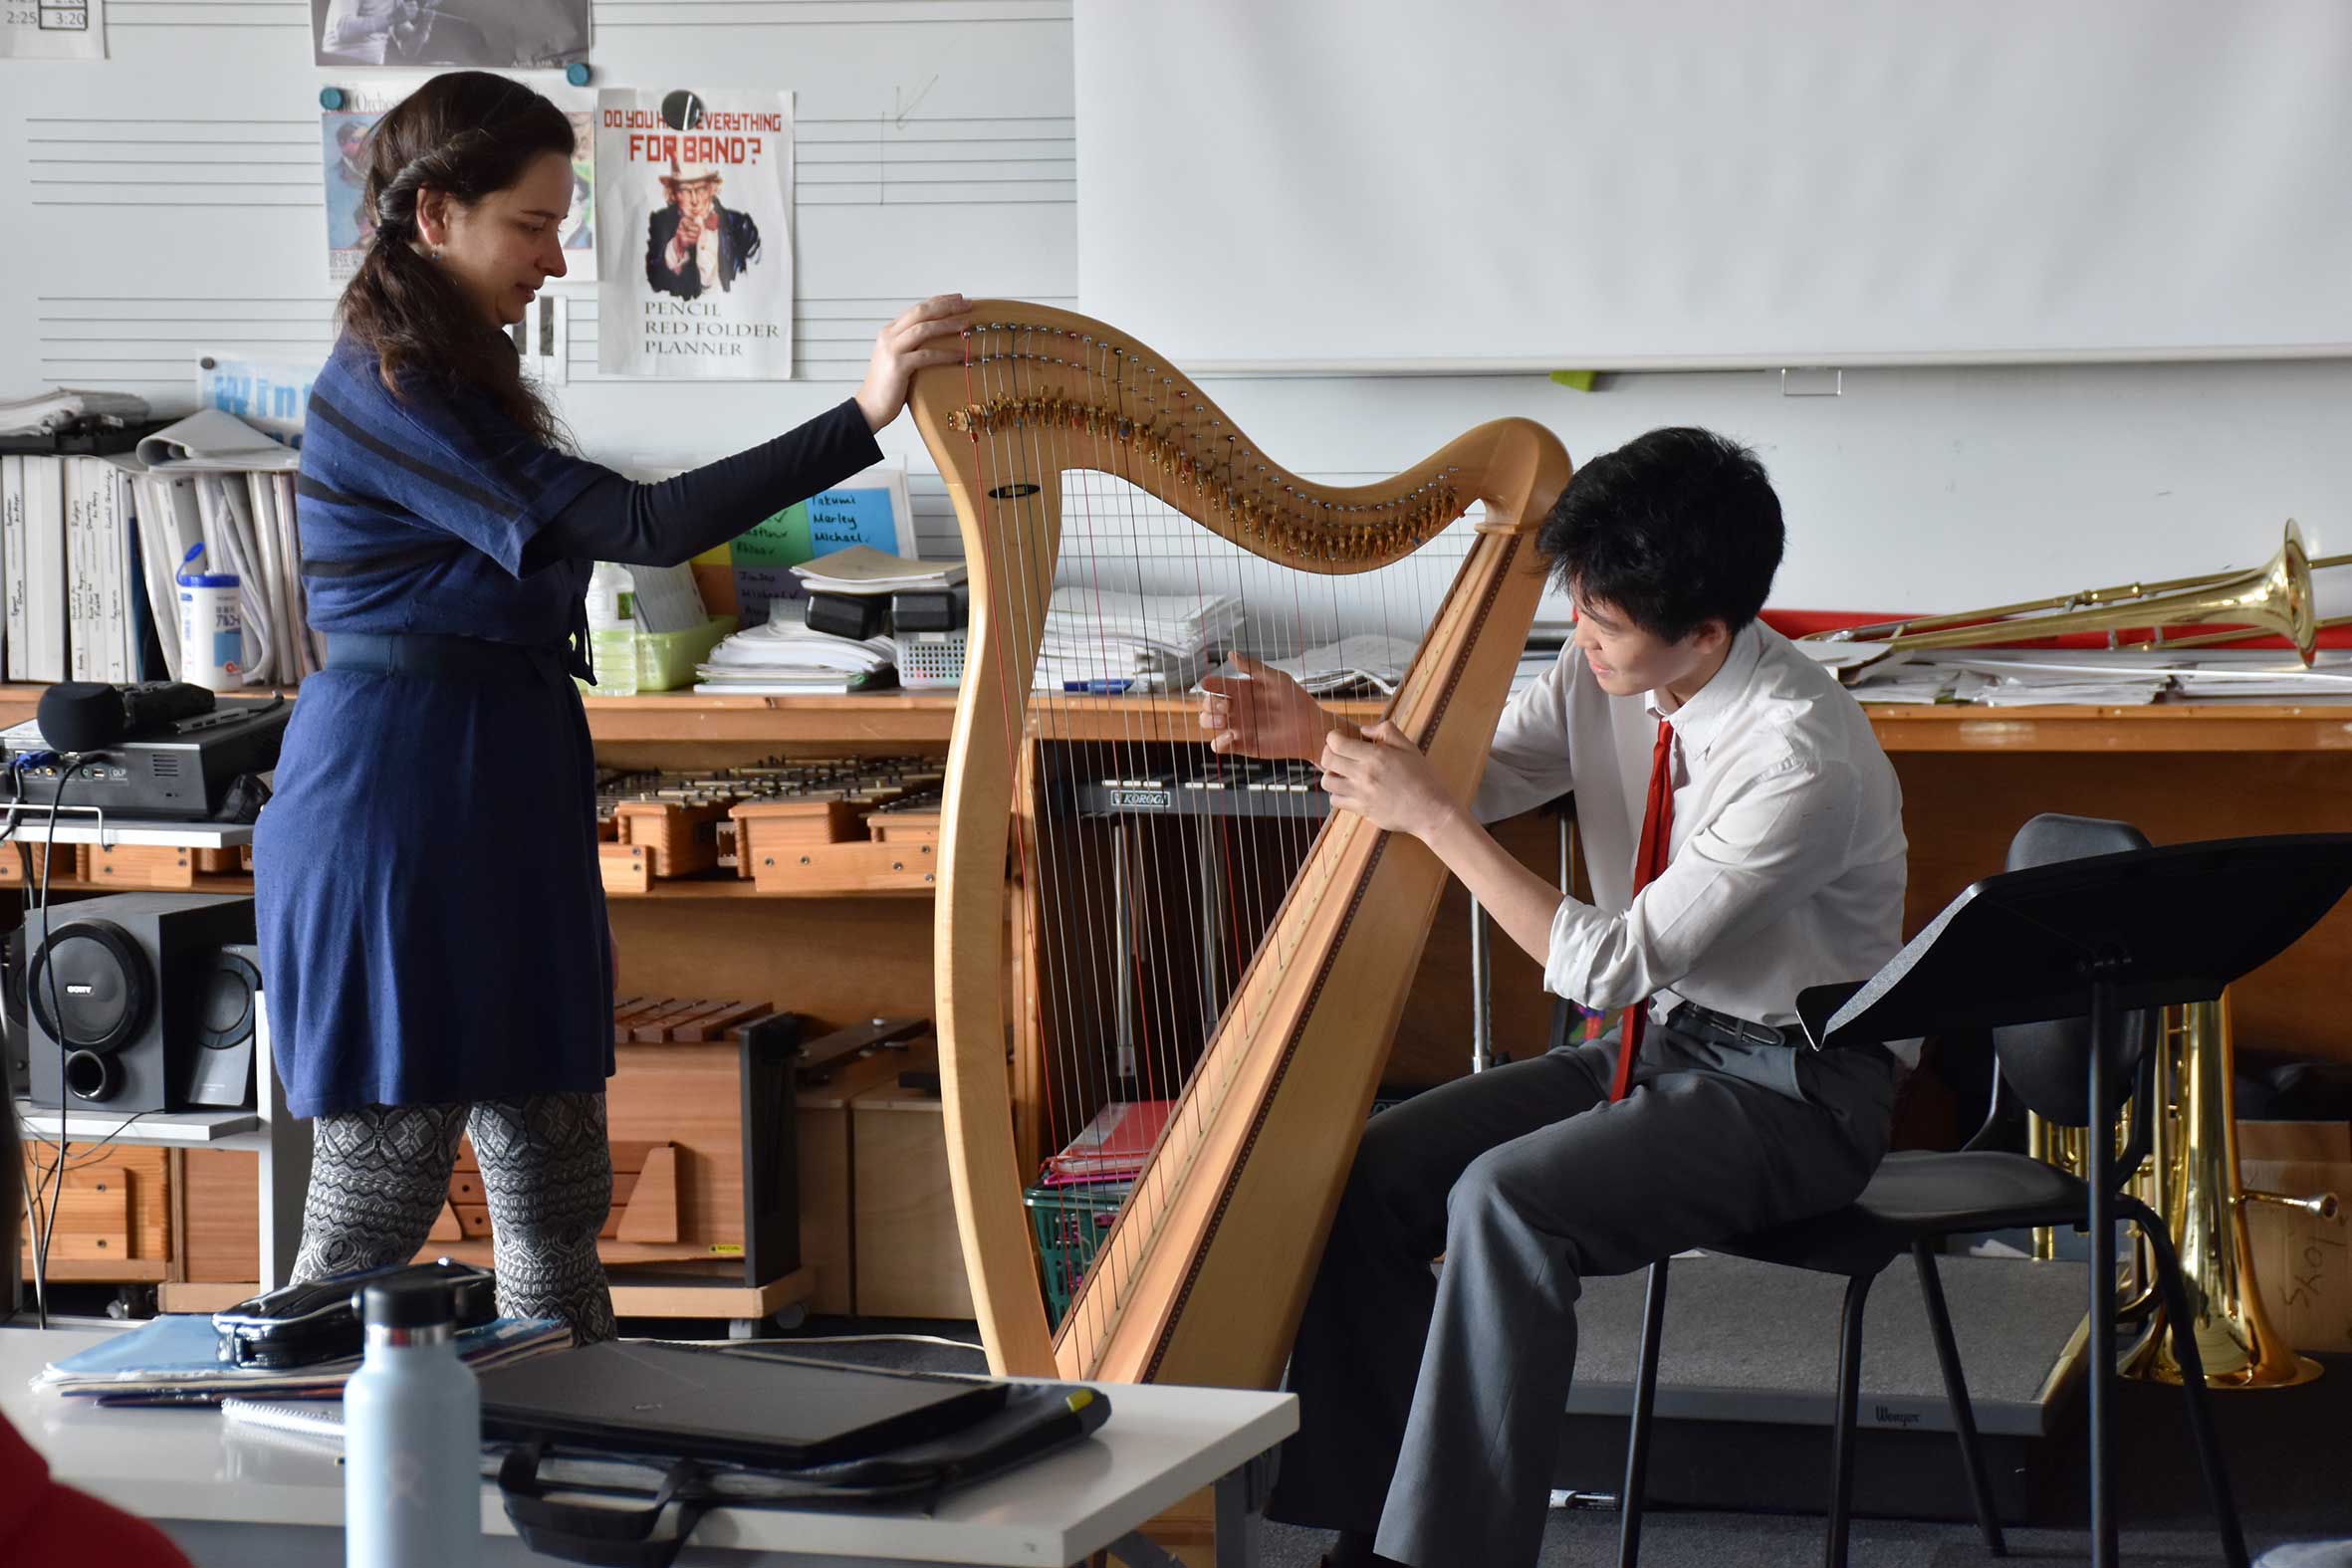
pixel 695 211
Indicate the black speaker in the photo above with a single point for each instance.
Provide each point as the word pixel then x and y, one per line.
pixel 15 1072
pixel 228 1004
pixel 140 1002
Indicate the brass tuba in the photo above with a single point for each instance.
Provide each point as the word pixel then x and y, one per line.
pixel 2189 1176
pixel 2204 1208
pixel 2273 599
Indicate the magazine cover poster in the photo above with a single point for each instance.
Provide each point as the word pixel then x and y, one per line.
pixel 349 225
pixel 694 204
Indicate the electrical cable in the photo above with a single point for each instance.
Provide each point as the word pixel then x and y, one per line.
pixel 48 1232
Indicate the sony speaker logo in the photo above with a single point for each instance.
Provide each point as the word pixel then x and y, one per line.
pixel 79 988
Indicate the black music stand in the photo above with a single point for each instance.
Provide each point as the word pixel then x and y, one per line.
pixel 2149 928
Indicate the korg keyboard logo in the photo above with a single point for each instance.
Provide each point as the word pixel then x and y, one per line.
pixel 1141 800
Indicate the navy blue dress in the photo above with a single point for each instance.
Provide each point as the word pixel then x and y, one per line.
pixel 431 919
pixel 431 915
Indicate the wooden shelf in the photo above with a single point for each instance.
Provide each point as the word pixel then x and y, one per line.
pixel 715 887
pixel 2156 727
pixel 927 720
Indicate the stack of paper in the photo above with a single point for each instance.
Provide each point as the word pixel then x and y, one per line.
pixel 1367 659
pixel 2331 674
pixel 1105 641
pixel 2030 677
pixel 46 412
pixel 174 1360
pixel 863 570
pixel 783 657
pixel 1919 683
pixel 1113 1147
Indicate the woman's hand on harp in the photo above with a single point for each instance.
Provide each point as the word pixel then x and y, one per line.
pixel 1266 715
pixel 923 336
pixel 1382 778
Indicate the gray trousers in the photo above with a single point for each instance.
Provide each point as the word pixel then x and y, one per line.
pixel 1430 1408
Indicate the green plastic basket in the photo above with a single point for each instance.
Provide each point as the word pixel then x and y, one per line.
pixel 667 659
pixel 1070 1222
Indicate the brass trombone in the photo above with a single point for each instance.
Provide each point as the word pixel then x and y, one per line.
pixel 2273 599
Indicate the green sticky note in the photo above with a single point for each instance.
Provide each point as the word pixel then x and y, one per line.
pixel 779 540
pixel 1578 380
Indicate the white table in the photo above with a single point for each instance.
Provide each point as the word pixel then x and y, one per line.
pixel 257 1500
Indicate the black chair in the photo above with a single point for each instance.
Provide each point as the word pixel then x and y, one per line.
pixel 1916 1200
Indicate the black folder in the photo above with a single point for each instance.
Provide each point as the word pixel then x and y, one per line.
pixel 772 1412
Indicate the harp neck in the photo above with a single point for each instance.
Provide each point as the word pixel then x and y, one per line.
pixel 1044 385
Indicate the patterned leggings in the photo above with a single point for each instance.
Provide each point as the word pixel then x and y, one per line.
pixel 381 1174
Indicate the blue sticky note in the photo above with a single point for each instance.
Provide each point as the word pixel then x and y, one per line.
pixel 839 519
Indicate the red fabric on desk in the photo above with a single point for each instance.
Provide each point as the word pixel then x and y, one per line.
pixel 42 1523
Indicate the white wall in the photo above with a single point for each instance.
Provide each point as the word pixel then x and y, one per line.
pixel 1928 488
pixel 1916 489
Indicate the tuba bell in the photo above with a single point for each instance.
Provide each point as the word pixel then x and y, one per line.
pixel 2189 1176
pixel 2205 1209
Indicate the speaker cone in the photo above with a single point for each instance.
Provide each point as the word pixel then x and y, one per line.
pixel 224 1010
pixel 91 987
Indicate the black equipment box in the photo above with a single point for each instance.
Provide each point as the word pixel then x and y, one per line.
pixel 181 774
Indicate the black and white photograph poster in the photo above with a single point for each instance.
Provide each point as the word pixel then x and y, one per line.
pixel 492 34
pixel 694 205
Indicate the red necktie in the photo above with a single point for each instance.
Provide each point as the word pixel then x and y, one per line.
pixel 1657 834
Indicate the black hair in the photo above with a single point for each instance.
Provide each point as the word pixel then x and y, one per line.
pixel 1673 529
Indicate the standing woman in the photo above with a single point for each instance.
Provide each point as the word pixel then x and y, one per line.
pixel 432 922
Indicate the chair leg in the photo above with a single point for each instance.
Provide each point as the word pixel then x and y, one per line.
pixel 1637 1438
pixel 1956 1394
pixel 2200 1424
pixel 1841 1443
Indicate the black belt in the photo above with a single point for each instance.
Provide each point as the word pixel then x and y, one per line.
pixel 1706 1023
pixel 464 658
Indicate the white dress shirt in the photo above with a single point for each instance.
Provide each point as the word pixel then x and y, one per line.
pixel 1787 862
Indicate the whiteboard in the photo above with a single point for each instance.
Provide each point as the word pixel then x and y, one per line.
pixel 166 202
pixel 1385 184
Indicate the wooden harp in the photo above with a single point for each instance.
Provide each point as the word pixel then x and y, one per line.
pixel 1203 1273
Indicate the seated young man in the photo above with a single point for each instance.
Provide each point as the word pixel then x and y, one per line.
pixel 39 1520
pixel 1431 1405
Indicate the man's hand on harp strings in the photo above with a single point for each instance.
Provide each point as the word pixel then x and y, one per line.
pixel 1382 778
pixel 1259 711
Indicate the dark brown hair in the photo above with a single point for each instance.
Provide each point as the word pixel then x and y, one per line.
pixel 467 134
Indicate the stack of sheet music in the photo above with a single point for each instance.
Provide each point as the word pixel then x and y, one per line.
pixel 1104 641
pixel 783 657
pixel 1367 660
pixel 2271 676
